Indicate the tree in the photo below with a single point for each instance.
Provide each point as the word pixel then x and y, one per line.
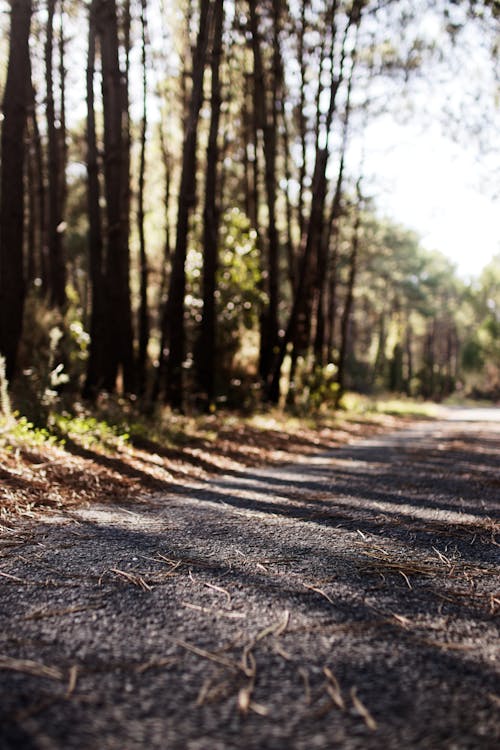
pixel 56 177
pixel 118 351
pixel 144 325
pixel 95 364
pixel 206 350
pixel 174 317
pixel 16 102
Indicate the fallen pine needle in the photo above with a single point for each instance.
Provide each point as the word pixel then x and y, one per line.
pixel 73 676
pixel 406 579
pixel 307 687
pixel 12 578
pixel 207 655
pixel 318 591
pixel 40 613
pixel 27 666
pixel 155 664
pixel 211 611
pixel 258 709
pixel 404 621
pixel 278 649
pixel 220 589
pixel 333 688
pixel 363 711
pixel 277 628
pixel 132 578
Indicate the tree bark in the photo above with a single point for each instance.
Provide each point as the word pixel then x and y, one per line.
pixel 57 267
pixel 119 344
pixel 347 311
pixel 267 123
pixel 206 352
pixel 95 362
pixel 143 260
pixel 187 198
pixel 17 96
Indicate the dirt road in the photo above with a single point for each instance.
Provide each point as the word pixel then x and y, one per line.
pixel 347 601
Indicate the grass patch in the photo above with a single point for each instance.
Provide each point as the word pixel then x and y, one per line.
pixel 354 403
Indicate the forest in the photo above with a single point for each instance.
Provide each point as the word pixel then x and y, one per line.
pixel 249 416
pixel 185 218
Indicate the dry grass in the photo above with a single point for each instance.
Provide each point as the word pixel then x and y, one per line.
pixel 47 476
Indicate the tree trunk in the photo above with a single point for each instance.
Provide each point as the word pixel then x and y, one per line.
pixel 57 268
pixel 324 270
pixel 347 311
pixel 95 363
pixel 267 123
pixel 43 258
pixel 119 344
pixel 63 187
pixel 143 261
pixel 17 96
pixel 187 199
pixel 206 352
pixel 308 246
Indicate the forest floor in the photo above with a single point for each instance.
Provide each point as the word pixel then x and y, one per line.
pixel 336 595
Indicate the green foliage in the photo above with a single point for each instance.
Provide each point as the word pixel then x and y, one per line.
pixel 238 278
pixel 52 356
pixel 87 430
pixel 18 431
pixel 481 349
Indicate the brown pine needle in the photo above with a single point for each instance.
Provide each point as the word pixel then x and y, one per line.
pixel 73 676
pixel 220 589
pixel 34 668
pixel 307 686
pixel 39 614
pixel 207 655
pixel 406 579
pixel 404 621
pixel 132 578
pixel 363 711
pixel 13 578
pixel 277 628
pixel 258 709
pixel 244 699
pixel 333 688
pixel 318 591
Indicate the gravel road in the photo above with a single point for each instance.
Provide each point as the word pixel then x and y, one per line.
pixel 350 600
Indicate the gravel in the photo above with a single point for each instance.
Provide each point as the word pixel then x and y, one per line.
pixel 350 600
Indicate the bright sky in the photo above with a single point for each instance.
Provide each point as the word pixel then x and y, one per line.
pixel 435 186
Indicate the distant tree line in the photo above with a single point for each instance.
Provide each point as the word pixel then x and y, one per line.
pixel 193 228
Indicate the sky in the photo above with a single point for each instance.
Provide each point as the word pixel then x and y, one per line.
pixel 424 180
